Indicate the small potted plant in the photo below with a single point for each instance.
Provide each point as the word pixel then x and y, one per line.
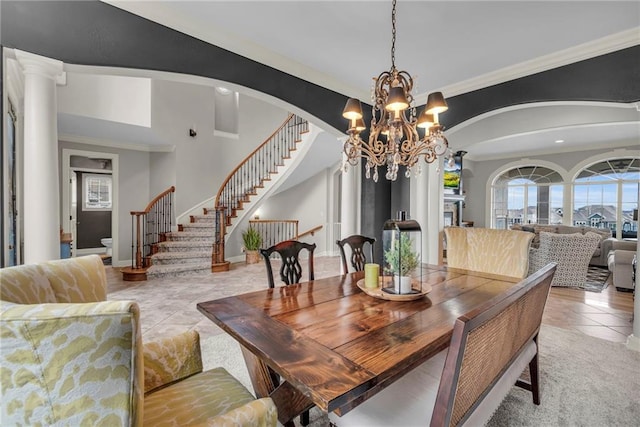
pixel 401 261
pixel 252 240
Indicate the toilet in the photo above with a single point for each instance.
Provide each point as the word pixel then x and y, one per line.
pixel 107 242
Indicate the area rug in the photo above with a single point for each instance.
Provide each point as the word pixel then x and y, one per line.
pixel 597 279
pixel 585 381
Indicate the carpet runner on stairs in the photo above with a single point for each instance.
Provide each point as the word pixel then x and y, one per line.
pixel 185 252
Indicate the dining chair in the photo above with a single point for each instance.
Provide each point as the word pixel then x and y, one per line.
pixel 290 270
pixel 290 273
pixel 463 385
pixel 488 250
pixel 358 258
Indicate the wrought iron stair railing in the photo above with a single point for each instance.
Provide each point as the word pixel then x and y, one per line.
pixel 250 175
pixel 149 226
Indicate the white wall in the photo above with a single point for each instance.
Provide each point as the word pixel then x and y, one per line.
pixel 308 202
pixel 476 175
pixel 202 163
pixel 162 172
pixel 114 98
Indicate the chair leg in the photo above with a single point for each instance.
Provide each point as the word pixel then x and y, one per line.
pixel 304 418
pixel 535 381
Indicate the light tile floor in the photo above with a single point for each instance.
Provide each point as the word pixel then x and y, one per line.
pixel 168 306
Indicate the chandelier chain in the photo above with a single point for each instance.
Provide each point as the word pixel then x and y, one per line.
pixel 393 35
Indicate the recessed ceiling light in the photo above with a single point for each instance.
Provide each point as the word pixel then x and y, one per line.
pixel 559 141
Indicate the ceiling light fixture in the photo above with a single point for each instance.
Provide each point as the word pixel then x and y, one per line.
pixel 394 119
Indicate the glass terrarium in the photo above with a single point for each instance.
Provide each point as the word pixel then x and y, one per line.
pixel 401 243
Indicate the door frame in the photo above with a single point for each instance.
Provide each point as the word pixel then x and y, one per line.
pixel 66 196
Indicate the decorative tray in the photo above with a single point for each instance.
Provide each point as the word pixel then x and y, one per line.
pixel 379 293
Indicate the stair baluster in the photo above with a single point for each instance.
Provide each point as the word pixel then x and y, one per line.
pixel 148 228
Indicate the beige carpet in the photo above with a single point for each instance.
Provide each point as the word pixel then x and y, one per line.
pixel 585 381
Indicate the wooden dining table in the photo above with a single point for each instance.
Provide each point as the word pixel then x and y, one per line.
pixel 329 344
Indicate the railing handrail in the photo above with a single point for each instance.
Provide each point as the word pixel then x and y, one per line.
pixel 171 189
pixel 265 142
pixel 310 231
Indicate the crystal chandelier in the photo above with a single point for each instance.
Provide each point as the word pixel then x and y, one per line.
pixel 393 136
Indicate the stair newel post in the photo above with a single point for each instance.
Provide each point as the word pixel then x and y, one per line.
pixel 218 262
pixel 137 249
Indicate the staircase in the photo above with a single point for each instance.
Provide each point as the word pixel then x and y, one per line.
pixel 198 246
pixel 186 251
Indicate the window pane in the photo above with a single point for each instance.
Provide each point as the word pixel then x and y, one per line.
pixel 520 196
pixel 515 205
pixel 629 203
pixel 555 196
pixel 97 192
pixel 595 205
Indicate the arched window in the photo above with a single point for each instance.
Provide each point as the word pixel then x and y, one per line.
pixel 527 194
pixel 605 195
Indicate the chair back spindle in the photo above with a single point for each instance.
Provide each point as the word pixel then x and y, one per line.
pixel 290 270
pixel 358 257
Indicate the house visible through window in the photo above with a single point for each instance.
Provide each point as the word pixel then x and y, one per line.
pixel 527 194
pixel 605 195
pixel 97 194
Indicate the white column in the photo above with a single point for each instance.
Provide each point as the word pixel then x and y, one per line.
pixel 41 182
pixel 427 206
pixel 633 341
pixel 349 201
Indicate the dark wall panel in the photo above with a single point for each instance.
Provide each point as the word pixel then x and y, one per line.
pixel 613 77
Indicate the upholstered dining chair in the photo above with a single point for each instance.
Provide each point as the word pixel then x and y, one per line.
pixel 572 253
pixel 358 257
pixel 290 270
pixel 463 385
pixel 504 252
pixel 71 357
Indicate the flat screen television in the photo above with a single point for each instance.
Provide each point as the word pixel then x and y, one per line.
pixel 452 174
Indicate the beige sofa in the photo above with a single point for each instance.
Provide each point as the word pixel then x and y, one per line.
pixel 600 255
pixel 620 264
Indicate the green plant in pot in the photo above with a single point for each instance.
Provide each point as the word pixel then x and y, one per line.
pixel 401 261
pixel 252 241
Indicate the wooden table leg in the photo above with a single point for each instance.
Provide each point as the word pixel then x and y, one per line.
pixel 289 401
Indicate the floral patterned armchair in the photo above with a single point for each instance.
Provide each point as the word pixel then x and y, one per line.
pixel 71 358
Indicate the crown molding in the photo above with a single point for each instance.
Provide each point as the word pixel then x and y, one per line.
pixel 568 56
pixel 616 147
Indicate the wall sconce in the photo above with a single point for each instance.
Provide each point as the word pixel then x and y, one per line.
pixel 192 133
